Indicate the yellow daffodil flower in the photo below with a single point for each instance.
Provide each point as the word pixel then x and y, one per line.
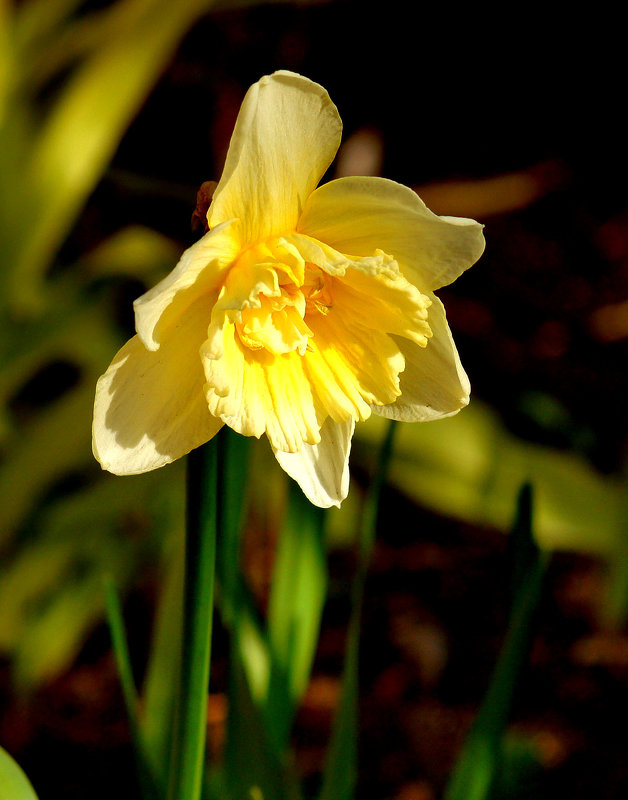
pixel 300 312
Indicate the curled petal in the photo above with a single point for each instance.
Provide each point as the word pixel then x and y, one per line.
pixel 286 136
pixel 358 215
pixel 433 384
pixel 199 270
pixel 336 263
pixel 150 407
pixel 322 470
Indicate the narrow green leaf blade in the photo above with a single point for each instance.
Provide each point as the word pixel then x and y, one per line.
pixel 121 649
pixel 477 769
pixel 115 619
pixel 160 683
pixel 254 770
pixel 296 602
pixel 185 778
pixel 85 125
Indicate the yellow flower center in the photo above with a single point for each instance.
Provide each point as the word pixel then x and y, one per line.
pixel 317 291
pixel 301 332
pixel 278 324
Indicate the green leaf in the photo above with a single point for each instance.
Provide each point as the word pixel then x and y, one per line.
pixel 254 770
pixel 14 783
pixel 185 778
pixel 468 466
pixel 233 492
pixel 296 601
pixel 148 776
pixel 477 770
pixel 61 560
pixel 121 649
pixel 164 663
pixel 78 138
pixel 136 251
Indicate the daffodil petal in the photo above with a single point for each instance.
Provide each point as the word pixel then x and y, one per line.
pixel 351 366
pixel 383 304
pixel 359 215
pixel 286 136
pixel 150 407
pixel 434 383
pixel 256 392
pixel 199 270
pixel 336 263
pixel 322 470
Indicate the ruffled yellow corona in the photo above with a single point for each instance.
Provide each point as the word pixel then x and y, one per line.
pixel 300 312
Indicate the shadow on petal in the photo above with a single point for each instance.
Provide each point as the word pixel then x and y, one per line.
pixel 150 408
pixel 434 383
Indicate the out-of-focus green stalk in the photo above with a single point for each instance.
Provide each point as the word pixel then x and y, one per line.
pixel 121 649
pixel 147 775
pixel 477 772
pixel 190 722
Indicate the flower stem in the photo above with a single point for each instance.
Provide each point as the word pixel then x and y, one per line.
pixel 190 722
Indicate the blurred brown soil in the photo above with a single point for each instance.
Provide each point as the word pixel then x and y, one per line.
pixel 434 621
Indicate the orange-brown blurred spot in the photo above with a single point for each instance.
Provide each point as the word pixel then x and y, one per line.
pixel 417 790
pixel 606 649
pixel 361 154
pixel 610 323
pixel 493 196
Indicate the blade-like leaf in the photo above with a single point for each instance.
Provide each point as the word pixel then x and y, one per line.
pixel 477 769
pixel 253 768
pixel 232 490
pixel 296 603
pixel 147 775
pixel 76 141
pixel 185 777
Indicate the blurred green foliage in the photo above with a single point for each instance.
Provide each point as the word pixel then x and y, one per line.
pixel 70 83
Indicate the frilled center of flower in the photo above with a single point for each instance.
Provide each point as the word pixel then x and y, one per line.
pixel 277 321
pixel 301 332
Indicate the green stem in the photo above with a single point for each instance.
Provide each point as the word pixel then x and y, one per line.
pixel 190 723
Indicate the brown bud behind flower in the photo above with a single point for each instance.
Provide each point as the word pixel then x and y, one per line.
pixel 203 201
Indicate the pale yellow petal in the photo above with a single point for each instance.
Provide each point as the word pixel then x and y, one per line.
pixel 286 136
pixel 384 304
pixel 351 366
pixel 199 270
pixel 150 407
pixel 256 392
pixel 322 470
pixel 359 215
pixel 336 263
pixel 434 383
